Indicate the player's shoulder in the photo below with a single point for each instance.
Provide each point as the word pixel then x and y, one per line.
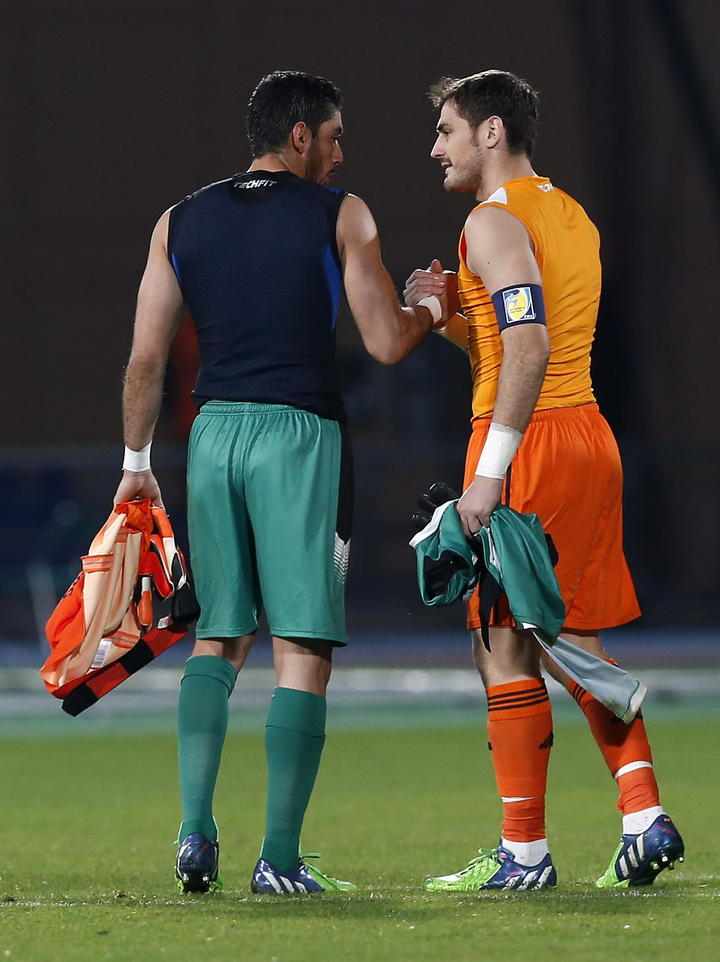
pixel 493 219
pixel 353 208
pixel 207 190
pixel 329 197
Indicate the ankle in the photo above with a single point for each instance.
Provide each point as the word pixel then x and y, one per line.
pixel 527 853
pixel 636 822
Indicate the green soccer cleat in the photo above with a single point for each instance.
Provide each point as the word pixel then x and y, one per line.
pixel 305 879
pixel 639 859
pixel 329 884
pixel 496 869
pixel 196 865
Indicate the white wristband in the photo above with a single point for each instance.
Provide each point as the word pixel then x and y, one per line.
pixel 433 305
pixel 498 451
pixel 137 460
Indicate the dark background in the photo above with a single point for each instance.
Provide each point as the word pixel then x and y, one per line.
pixel 114 110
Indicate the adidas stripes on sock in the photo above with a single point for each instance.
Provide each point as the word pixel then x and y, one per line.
pixel 626 751
pixel 520 738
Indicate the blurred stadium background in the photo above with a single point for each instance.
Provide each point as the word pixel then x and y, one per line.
pixel 111 112
pixel 114 111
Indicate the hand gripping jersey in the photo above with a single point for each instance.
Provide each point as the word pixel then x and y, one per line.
pixel 512 557
pixel 132 600
pixel 567 250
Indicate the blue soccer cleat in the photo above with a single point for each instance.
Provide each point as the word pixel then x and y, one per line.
pixel 267 880
pixel 638 859
pixel 196 865
pixel 496 869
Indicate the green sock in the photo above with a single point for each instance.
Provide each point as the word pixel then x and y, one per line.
pixel 202 723
pixel 294 739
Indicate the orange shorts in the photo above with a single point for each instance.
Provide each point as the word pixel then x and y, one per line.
pixel 567 471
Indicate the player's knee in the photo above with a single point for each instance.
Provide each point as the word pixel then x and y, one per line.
pixel 234 650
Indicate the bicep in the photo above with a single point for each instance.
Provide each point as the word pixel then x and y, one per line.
pixel 367 283
pixel 160 300
pixel 499 250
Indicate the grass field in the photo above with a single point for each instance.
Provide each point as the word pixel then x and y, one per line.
pixel 87 853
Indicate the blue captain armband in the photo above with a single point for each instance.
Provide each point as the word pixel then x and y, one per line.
pixel 519 305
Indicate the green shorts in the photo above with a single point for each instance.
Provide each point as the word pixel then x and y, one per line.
pixel 270 491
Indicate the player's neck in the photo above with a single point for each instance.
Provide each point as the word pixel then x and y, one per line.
pixel 495 175
pixel 278 162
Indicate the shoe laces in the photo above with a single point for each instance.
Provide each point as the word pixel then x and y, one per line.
pixel 313 869
pixel 483 860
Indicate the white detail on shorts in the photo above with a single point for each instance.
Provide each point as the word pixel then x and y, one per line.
pixel 341 558
pixel 101 653
pixel 164 622
pixel 631 767
pixel 493 556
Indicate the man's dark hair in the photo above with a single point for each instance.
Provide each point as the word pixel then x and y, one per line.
pixel 494 93
pixel 281 100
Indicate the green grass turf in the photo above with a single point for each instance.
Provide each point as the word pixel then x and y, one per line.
pixel 87 853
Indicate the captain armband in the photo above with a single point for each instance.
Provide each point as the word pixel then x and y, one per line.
pixel 498 451
pixel 137 460
pixel 519 305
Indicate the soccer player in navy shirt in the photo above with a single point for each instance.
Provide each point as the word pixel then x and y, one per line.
pixel 259 260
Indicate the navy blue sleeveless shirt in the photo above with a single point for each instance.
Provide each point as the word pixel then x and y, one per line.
pixel 258 265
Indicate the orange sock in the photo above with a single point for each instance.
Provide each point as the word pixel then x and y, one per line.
pixel 520 737
pixel 626 751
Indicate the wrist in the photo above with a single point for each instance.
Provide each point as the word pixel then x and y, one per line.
pixel 498 451
pixel 433 305
pixel 137 461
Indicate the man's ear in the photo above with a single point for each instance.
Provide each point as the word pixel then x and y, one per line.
pixel 494 131
pixel 300 137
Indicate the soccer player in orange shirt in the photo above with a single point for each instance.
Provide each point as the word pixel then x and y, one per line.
pixel 526 296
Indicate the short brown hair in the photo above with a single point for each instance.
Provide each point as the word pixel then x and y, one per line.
pixel 494 93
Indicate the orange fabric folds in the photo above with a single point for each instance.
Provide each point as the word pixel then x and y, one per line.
pixel 567 250
pixel 133 567
pixel 567 471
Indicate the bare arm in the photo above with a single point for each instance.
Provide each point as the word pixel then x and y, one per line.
pixel 389 331
pixel 500 252
pixel 159 307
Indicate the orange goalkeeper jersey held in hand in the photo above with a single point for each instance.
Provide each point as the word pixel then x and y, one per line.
pixel 108 624
pixel 567 250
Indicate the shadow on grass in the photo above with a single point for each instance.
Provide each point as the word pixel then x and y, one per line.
pixel 371 905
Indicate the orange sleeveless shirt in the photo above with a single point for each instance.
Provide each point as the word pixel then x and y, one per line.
pixel 567 249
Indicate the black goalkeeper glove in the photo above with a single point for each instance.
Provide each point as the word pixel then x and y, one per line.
pixel 437 494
